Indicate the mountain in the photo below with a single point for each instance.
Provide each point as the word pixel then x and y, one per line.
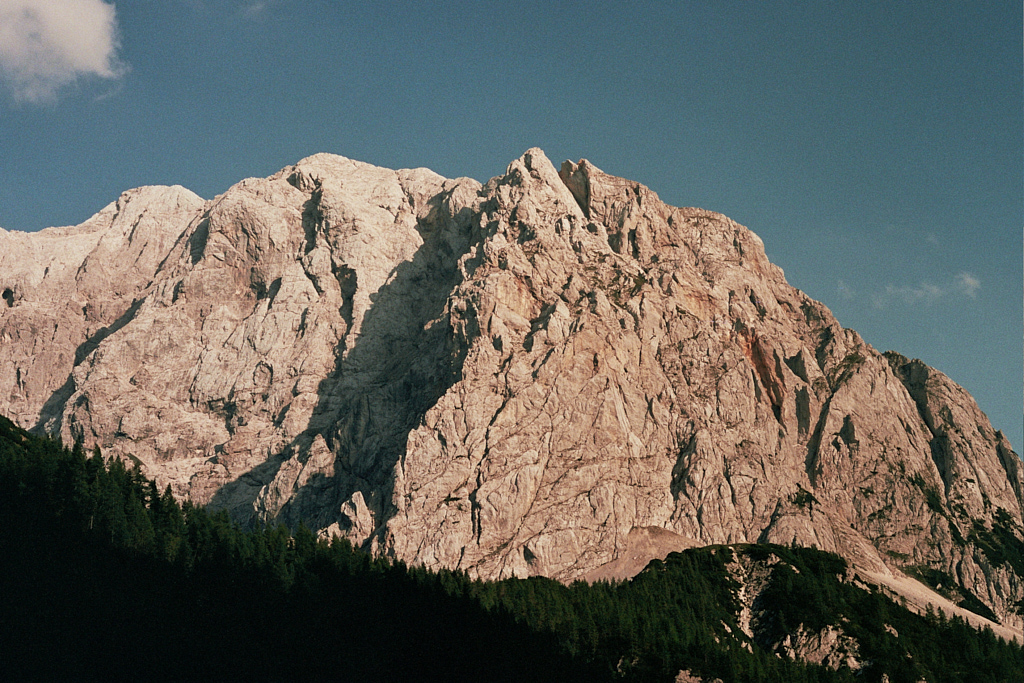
pixel 554 373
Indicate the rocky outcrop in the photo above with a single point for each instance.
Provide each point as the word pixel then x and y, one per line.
pixel 523 377
pixel 829 645
pixel 685 676
pixel 66 289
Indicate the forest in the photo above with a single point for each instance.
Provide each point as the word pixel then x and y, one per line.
pixel 105 577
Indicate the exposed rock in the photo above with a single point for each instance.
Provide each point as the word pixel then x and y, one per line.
pixel 643 544
pixel 66 289
pixel 685 676
pixel 525 377
pixel 830 647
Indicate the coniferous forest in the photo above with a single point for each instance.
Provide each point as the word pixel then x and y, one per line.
pixel 105 577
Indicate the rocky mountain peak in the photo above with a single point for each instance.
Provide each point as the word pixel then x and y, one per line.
pixel 552 373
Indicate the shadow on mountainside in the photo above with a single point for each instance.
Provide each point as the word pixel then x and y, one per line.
pixel 385 380
pixel 51 415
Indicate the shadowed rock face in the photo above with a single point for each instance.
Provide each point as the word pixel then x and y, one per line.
pixel 541 375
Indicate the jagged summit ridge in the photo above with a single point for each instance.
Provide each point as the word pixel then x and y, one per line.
pixel 544 374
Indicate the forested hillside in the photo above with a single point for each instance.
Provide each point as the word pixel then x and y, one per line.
pixel 104 577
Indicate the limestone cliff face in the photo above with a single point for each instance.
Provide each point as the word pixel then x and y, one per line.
pixel 553 373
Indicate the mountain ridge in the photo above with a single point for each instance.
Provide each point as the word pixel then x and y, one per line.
pixel 509 378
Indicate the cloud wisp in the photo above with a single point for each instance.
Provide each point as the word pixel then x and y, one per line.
pixel 845 291
pixel 254 10
pixel 964 284
pixel 48 44
pixel 968 284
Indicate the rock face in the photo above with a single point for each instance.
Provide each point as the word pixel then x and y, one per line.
pixel 545 374
pixel 829 646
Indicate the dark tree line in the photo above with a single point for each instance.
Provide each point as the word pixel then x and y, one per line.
pixel 104 577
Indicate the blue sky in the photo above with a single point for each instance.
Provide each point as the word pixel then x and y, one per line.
pixel 876 147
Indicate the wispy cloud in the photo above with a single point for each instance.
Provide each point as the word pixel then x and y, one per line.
pixel 845 291
pixel 968 283
pixel 254 10
pixel 48 44
pixel 924 292
pixel 927 293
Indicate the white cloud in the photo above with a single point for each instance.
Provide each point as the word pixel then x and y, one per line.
pixel 968 284
pixel 47 44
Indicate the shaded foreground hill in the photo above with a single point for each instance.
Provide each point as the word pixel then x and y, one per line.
pixel 102 577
